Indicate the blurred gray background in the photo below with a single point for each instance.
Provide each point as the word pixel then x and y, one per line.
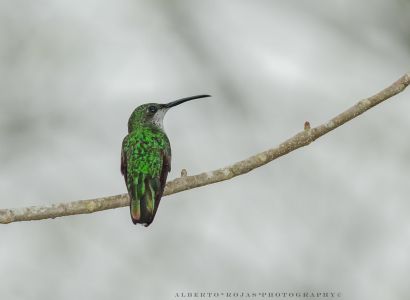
pixel 330 217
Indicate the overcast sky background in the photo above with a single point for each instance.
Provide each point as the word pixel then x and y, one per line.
pixel 330 217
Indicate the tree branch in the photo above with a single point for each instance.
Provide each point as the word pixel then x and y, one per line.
pixel 177 185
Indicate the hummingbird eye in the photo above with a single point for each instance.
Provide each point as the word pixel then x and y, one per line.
pixel 152 109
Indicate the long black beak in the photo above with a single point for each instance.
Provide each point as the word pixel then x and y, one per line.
pixel 180 101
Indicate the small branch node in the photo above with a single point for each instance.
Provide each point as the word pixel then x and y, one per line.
pixel 307 126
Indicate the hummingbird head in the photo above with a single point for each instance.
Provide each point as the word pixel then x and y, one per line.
pixel 153 113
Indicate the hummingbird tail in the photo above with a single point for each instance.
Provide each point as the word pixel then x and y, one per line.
pixel 135 210
pixel 143 204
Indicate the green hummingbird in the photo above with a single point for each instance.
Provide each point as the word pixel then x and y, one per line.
pixel 146 159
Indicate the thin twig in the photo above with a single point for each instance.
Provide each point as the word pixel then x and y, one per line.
pixel 301 139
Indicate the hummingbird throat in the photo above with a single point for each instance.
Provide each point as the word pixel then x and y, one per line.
pixel 158 118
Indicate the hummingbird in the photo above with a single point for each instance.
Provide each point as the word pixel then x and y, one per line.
pixel 146 159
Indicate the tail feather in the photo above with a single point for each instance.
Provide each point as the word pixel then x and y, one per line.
pixel 143 196
pixel 135 210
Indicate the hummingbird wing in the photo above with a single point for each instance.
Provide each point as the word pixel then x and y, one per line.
pixel 145 165
pixel 166 168
pixel 124 161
